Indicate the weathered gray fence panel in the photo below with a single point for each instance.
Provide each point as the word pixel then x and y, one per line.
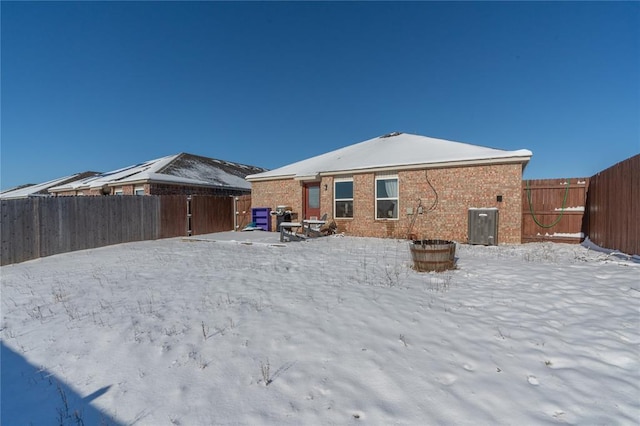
pixel 37 227
pixel 18 236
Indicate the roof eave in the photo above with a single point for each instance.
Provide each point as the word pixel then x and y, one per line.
pixel 398 167
pixel 63 188
pixel 256 178
pixel 124 182
pixel 175 182
pixel 307 177
pixel 138 182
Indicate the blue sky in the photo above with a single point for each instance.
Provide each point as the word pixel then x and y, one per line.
pixel 103 85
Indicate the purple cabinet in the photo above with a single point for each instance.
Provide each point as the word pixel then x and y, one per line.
pixel 261 216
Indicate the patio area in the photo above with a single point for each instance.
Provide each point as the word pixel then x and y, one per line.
pixel 244 237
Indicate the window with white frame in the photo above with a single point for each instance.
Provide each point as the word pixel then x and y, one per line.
pixel 387 197
pixel 138 190
pixel 118 191
pixel 343 198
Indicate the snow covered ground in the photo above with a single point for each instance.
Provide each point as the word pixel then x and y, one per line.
pixel 337 330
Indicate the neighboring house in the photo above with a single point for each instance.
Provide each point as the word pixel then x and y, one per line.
pixel 401 185
pixel 182 173
pixel 42 189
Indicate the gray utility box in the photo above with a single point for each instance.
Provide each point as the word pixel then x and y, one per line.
pixel 483 226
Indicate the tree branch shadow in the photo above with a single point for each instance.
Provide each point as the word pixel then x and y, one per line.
pixel 32 395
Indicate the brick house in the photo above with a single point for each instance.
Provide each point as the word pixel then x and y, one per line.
pixel 401 185
pixel 183 173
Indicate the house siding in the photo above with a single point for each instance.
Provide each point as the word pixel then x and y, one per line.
pixel 457 189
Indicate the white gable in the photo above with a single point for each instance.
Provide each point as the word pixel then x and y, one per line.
pixel 396 150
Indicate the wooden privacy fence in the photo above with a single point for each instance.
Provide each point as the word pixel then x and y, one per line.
pixel 613 207
pixel 210 214
pixel 37 227
pixel 172 220
pixel 243 211
pixel 553 209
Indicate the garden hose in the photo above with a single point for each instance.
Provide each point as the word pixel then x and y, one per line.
pixel 555 222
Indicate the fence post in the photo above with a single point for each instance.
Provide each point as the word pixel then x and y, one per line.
pixel 37 232
pixel 235 213
pixel 189 215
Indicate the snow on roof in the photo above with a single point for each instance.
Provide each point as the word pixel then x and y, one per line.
pixel 137 172
pixel 183 169
pixel 210 170
pixel 395 150
pixel 38 189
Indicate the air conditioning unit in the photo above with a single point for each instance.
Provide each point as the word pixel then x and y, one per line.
pixel 483 226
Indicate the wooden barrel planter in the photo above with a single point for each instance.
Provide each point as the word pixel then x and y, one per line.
pixel 433 255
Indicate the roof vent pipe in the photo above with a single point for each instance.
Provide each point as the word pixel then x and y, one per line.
pixel 392 134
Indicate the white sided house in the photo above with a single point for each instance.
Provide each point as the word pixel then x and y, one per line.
pixel 183 173
pixel 402 186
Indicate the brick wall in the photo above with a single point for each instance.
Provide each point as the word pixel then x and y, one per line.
pixel 160 189
pixel 456 189
pixel 165 189
pixel 126 189
pixel 279 192
pixel 459 189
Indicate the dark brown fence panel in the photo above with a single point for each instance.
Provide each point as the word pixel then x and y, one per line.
pixel 553 209
pixel 613 207
pixel 211 214
pixel 243 211
pixel 173 216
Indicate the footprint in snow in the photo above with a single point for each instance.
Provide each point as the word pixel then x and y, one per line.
pixel 446 379
pixel 533 380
